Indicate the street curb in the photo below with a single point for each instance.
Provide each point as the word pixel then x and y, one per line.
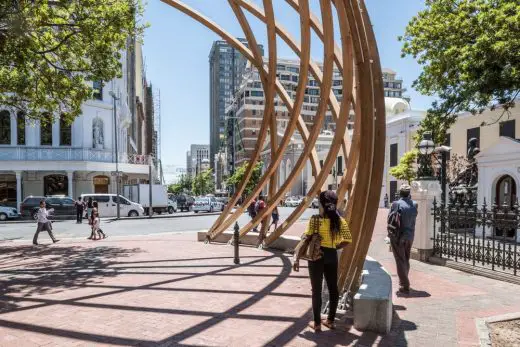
pixel 113 219
pixel 482 325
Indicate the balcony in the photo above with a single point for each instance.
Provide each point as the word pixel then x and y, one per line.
pixel 24 153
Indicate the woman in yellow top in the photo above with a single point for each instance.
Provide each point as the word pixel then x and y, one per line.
pixel 335 234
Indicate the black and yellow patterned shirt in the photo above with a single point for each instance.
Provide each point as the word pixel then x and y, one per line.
pixel 323 226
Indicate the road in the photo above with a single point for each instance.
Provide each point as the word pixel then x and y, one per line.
pixel 185 222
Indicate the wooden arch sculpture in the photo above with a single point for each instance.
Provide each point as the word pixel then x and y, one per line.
pixel 357 60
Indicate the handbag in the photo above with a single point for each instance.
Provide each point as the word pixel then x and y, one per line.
pixel 309 247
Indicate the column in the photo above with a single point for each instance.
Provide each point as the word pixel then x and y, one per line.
pixel 424 192
pixel 70 175
pixel 18 189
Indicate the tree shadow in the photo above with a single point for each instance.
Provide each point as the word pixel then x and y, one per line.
pixel 27 270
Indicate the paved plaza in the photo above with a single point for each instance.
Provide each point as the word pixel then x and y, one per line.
pixel 166 289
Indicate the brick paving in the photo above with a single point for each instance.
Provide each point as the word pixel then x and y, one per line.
pixel 169 290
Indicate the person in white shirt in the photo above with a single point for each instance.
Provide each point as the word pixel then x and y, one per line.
pixel 43 223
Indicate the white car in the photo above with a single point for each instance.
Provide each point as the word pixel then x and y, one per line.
pixel 292 202
pixel 172 206
pixel 107 205
pixel 315 203
pixel 8 213
pixel 207 204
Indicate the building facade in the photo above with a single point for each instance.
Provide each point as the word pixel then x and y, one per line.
pixel 226 68
pixel 54 158
pixel 197 159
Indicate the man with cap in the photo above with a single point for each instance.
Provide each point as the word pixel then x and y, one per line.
pixel 402 246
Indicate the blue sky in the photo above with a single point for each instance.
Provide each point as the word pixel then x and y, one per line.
pixel 176 52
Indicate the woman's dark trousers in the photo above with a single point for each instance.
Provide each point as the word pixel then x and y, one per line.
pixel 327 266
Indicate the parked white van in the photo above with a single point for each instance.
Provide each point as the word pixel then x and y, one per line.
pixel 107 205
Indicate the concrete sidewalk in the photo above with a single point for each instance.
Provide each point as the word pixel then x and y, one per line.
pixel 170 290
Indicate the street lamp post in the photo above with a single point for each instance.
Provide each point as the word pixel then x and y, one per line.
pixel 426 148
pixel 444 151
pixel 114 97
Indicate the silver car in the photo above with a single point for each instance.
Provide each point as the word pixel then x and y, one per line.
pixel 208 204
pixel 8 213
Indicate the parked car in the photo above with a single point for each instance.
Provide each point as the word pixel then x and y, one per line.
pixel 223 202
pixel 172 205
pixel 107 205
pixel 206 204
pixel 8 213
pixel 184 202
pixel 63 206
pixel 315 203
pixel 292 201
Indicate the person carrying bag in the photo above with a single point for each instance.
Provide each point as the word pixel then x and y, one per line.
pixel 325 234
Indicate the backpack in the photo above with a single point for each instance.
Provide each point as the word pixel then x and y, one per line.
pixel 394 222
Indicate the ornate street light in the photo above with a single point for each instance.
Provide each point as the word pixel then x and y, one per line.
pixel 426 148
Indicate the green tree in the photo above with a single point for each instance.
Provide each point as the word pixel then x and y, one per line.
pixel 50 51
pixel 203 183
pixel 469 53
pixel 183 186
pixel 237 177
pixel 406 170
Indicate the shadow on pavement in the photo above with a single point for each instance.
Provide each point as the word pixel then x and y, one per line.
pixel 28 270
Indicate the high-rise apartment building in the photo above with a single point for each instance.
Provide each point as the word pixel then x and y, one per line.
pixel 245 113
pixel 226 68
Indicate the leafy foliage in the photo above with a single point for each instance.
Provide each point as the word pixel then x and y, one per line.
pixel 183 186
pixel 469 52
pixel 51 50
pixel 406 170
pixel 203 183
pixel 237 177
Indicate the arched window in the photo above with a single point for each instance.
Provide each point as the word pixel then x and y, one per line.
pixel 20 128
pixel 98 137
pixel 65 132
pixel 46 130
pixel 5 128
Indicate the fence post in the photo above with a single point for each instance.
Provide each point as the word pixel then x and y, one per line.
pixel 235 243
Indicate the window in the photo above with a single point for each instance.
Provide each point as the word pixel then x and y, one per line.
pixel 98 90
pixel 20 128
pixel 507 128
pixel 46 131
pixel 101 198
pixel 5 128
pixel 473 133
pixel 122 200
pixel 447 141
pixel 257 93
pixel 65 133
pixel 393 155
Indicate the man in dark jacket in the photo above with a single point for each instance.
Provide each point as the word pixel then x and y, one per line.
pixel 402 246
pixel 80 206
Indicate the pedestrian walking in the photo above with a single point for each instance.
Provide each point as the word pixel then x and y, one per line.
pixel 404 213
pixel 90 206
pixel 275 215
pixel 80 207
pixel 252 212
pixel 259 206
pixel 97 232
pixel 386 200
pixel 335 234
pixel 43 223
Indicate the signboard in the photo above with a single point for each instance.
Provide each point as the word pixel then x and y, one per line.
pixel 101 180
pixel 114 173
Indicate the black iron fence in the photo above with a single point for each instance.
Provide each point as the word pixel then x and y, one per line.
pixel 485 236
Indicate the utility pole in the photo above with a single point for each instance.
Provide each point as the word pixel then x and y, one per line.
pixel 114 97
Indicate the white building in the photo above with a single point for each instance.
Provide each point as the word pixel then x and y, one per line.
pixel 57 159
pixel 196 159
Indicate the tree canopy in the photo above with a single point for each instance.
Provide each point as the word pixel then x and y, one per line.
pixel 469 51
pixel 183 186
pixel 203 183
pixel 237 177
pixel 51 51
pixel 406 170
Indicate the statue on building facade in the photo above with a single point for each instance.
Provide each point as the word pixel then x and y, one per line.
pixel 98 140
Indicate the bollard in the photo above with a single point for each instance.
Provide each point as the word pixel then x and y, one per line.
pixel 235 242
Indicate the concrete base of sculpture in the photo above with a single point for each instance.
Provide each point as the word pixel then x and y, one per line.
pixel 373 302
pixel 421 254
pixel 283 243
